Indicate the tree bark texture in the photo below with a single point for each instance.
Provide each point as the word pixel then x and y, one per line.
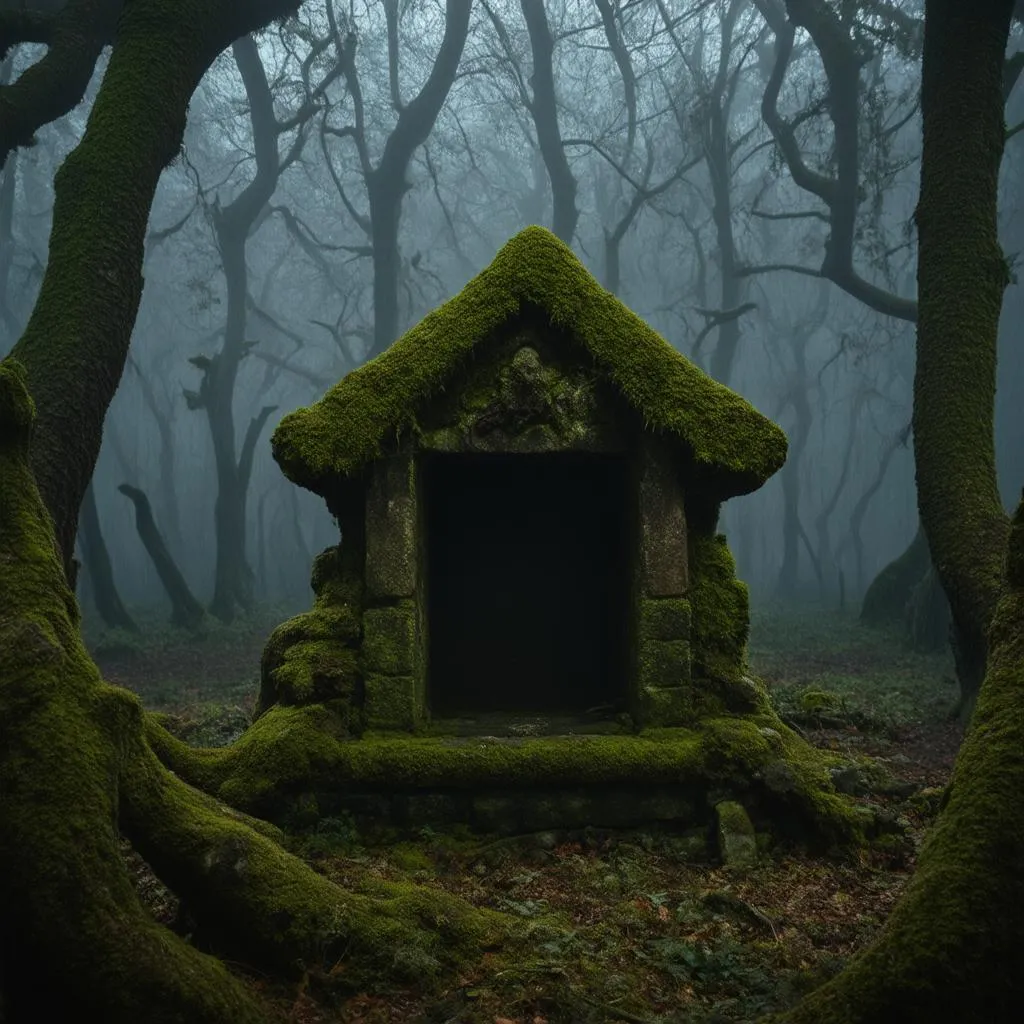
pixel 962 274
pixel 76 342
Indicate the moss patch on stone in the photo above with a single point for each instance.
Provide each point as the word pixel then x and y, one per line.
pixel 721 620
pixel 313 657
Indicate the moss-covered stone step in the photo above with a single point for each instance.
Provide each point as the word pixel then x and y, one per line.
pixel 295 764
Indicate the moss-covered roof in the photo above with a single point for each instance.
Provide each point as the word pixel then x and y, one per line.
pixel 345 429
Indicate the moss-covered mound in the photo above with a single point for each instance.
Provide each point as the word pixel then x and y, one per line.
pixel 295 764
pixel 345 429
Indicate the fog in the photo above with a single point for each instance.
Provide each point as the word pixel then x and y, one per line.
pixel 751 210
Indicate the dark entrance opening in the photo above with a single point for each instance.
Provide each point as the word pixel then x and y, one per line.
pixel 528 582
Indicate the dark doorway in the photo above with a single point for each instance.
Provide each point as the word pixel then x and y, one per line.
pixel 528 568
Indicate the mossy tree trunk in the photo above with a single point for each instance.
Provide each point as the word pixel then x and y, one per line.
pixel 76 774
pixel 962 274
pixel 953 947
pixel 75 770
pixel 886 600
pixel 76 342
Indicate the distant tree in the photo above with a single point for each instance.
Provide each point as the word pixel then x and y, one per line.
pixel 384 180
pixel 233 225
pixel 710 116
pixel 99 571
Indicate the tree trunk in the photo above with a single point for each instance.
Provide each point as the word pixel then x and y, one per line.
pixel 76 773
pixel 860 509
pixel 167 494
pixel 75 940
pixel 719 161
pixel 788 578
pixel 962 274
pixel 387 185
pixel 952 946
pixel 885 602
pixel 186 611
pixel 76 342
pixel 544 110
pixel 385 194
pixel 97 564
pixel 233 576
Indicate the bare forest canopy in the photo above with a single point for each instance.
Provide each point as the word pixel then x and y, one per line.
pixel 745 181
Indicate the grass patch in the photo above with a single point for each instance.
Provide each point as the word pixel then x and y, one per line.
pixel 824 669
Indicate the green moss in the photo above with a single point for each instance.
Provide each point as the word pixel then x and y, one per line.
pixel 737 841
pixel 248 893
pixel 82 935
pixel 664 663
pixel 392 702
pixel 347 427
pixel 662 706
pixel 951 948
pixel 389 639
pixel 721 621
pixel 313 657
pixel 410 857
pixel 297 750
pixel 664 618
pixel 815 702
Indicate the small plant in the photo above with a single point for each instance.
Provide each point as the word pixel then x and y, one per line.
pixel 332 836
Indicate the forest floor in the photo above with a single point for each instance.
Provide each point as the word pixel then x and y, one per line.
pixel 629 928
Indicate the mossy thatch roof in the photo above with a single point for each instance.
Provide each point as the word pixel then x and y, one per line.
pixel 344 430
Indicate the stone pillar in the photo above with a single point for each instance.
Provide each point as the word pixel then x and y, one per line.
pixel 663 613
pixel 391 657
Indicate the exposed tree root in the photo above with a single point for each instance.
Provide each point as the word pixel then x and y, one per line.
pixel 75 769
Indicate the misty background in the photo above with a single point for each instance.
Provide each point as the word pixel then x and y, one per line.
pixel 696 162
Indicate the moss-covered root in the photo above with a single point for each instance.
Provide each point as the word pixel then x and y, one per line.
pixel 953 948
pixel 73 933
pixel 252 899
pixel 886 599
